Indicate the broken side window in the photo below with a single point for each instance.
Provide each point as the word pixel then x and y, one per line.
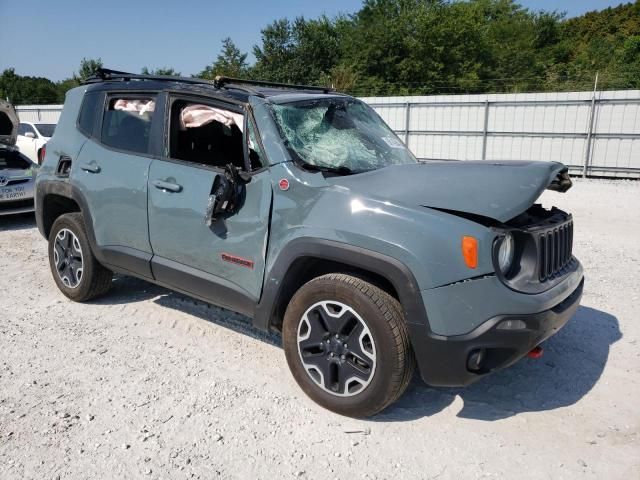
pixel 206 135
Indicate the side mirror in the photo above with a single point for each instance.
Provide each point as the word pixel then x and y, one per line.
pixel 30 135
pixel 227 194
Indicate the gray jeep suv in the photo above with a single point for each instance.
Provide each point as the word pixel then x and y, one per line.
pixel 300 208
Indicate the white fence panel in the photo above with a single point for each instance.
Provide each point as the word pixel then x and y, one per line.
pixel 554 126
pixel 39 113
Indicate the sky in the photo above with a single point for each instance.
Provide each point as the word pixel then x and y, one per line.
pixel 49 38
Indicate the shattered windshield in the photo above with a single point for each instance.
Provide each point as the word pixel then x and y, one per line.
pixel 339 133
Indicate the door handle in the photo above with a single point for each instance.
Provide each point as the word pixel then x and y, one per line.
pixel 167 186
pixel 92 167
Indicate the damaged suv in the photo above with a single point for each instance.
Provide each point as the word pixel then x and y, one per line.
pixel 300 208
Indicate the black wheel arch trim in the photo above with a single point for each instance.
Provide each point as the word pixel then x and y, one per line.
pixel 397 273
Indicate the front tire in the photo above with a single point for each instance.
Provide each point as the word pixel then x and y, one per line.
pixel 75 270
pixel 347 345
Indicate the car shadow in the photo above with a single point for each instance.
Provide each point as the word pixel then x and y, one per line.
pixel 572 363
pixel 19 221
pixel 125 290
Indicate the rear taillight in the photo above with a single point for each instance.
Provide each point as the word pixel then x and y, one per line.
pixel 41 154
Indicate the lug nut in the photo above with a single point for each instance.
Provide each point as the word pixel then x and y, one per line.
pixel 328 341
pixel 345 345
pixel 342 357
pixel 332 354
pixel 337 336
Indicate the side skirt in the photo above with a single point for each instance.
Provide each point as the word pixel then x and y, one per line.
pixel 201 285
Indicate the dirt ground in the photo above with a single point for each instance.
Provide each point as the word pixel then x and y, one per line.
pixel 146 383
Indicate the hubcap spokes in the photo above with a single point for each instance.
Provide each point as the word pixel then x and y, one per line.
pixel 67 257
pixel 336 348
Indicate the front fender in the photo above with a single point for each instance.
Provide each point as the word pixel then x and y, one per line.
pixel 393 270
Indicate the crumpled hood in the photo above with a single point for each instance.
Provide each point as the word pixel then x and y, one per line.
pixel 8 124
pixel 497 190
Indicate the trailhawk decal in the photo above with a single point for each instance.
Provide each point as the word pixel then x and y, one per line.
pixel 243 262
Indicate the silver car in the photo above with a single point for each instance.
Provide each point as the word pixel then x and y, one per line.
pixel 17 172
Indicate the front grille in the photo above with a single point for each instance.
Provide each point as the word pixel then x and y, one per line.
pixel 14 204
pixel 18 182
pixel 555 247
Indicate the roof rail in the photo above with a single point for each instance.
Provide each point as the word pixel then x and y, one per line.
pixel 230 82
pixel 105 74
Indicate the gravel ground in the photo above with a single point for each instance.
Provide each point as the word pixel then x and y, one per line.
pixel 146 383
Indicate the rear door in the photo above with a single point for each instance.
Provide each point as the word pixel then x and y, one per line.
pixel 111 172
pixel 222 263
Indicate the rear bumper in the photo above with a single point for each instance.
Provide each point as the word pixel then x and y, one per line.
pixel 443 360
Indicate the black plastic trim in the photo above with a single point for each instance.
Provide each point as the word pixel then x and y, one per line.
pixel 201 285
pixel 523 276
pixel 444 362
pixel 393 270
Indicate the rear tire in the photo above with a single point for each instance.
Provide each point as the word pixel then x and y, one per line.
pixel 75 270
pixel 347 345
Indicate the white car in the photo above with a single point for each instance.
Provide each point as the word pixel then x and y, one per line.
pixel 17 171
pixel 32 137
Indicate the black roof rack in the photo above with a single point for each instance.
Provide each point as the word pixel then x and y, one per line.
pixel 105 74
pixel 230 82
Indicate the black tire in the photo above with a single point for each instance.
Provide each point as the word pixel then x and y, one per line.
pixel 382 314
pixel 95 279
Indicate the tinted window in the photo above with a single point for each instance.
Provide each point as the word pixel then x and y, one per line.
pixel 87 117
pixel 24 128
pixel 127 123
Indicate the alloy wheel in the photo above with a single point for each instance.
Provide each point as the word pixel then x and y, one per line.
pixel 67 257
pixel 336 348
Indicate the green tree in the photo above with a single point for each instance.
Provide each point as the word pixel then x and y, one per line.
pixel 88 67
pixel 302 51
pixel 231 62
pixel 161 71
pixel 26 90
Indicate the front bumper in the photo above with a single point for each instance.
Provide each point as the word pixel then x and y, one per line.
pixel 15 207
pixel 11 203
pixel 443 360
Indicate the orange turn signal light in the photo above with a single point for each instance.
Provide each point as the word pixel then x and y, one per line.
pixel 470 251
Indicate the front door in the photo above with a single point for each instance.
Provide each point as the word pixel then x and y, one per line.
pixel 222 263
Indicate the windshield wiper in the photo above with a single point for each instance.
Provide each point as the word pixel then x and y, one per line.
pixel 337 170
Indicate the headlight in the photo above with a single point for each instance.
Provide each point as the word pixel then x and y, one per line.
pixel 505 253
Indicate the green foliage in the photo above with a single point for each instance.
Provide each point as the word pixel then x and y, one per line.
pixel 302 51
pixel 231 62
pixel 88 67
pixel 27 90
pixel 394 47
pixel 165 71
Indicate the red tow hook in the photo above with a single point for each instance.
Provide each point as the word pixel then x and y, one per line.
pixel 536 352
